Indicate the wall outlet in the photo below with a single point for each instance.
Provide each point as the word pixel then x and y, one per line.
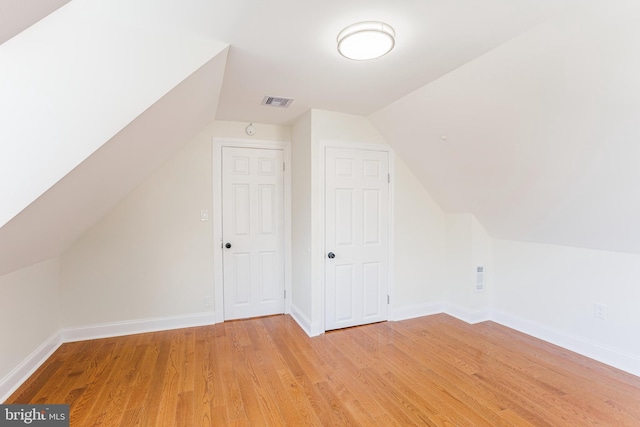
pixel 204 215
pixel 208 301
pixel 600 311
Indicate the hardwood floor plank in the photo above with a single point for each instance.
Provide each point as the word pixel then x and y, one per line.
pixel 205 378
pixel 409 379
pixel 153 394
pixel 229 382
pixel 185 409
pixel 430 371
pixel 172 380
pixel 144 371
pixel 131 418
pixel 64 379
pixel 445 373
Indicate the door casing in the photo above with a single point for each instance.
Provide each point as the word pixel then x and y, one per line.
pixel 218 144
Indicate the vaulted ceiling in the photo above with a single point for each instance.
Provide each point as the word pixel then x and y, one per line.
pixel 541 133
pixel 537 100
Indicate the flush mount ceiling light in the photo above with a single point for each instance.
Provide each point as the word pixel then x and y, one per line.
pixel 366 40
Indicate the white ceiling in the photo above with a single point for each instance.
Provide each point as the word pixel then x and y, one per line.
pixel 539 99
pixel 288 47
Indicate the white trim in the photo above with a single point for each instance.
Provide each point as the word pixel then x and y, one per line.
pixel 218 143
pixel 322 146
pixel 130 327
pixel 467 315
pixel 18 375
pixel 416 310
pixel 392 233
pixel 310 328
pixel 14 379
pixel 626 362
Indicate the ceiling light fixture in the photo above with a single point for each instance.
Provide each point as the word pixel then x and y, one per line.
pixel 366 40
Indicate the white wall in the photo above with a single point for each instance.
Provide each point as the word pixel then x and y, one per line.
pixel 467 247
pixel 29 314
pixel 419 243
pixel 152 256
pixel 418 223
pixel 301 218
pixel 550 291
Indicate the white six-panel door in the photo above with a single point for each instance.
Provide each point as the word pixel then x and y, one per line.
pixel 356 236
pixel 252 232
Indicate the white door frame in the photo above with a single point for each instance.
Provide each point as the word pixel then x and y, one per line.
pixel 218 144
pixel 323 145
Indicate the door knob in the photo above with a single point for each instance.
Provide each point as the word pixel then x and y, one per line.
pixel 228 245
pixel 331 255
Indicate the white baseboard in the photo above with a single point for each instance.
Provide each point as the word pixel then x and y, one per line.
pixel 23 371
pixel 313 329
pixel 416 310
pixel 129 327
pixel 626 362
pixel 467 315
pixel 17 376
pixel 457 311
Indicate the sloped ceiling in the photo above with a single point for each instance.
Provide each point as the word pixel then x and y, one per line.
pixel 70 83
pixel 541 133
pixel 537 99
pixel 91 104
pixel 63 213
pixel 288 47
pixel 18 15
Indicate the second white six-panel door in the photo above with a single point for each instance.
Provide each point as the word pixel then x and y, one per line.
pixel 253 232
pixel 356 236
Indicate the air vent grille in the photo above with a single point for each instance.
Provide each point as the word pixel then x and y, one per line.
pixel 479 278
pixel 276 101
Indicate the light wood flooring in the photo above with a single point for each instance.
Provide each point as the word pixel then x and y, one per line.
pixel 430 371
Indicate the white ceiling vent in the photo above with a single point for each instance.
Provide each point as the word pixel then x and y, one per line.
pixel 276 101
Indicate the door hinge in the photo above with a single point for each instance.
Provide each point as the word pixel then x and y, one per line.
pixel 285 294
pixel 389 178
pixel 284 165
pixel 387 299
